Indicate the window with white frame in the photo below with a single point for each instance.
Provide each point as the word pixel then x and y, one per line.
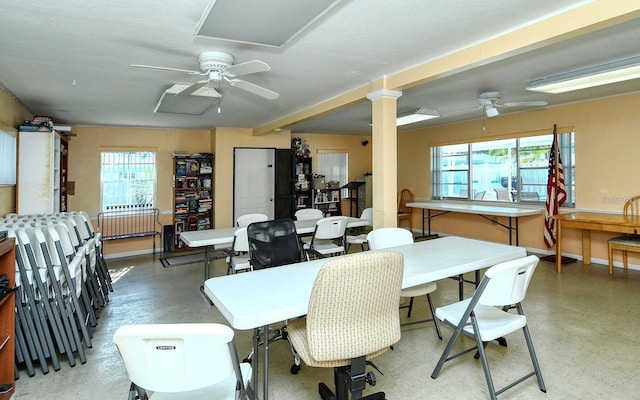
pixel 7 158
pixel 334 165
pixel 128 180
pixel 513 170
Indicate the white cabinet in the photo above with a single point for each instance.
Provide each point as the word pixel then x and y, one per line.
pixel 38 172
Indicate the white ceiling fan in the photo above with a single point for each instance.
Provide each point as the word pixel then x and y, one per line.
pixel 217 66
pixel 490 102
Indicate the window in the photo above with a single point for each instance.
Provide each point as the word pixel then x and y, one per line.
pixel 128 180
pixel 501 170
pixel 335 167
pixel 7 158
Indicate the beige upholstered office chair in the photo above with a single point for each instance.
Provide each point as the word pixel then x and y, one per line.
pixel 404 213
pixel 479 195
pixel 352 317
pixel 328 238
pixel 626 242
pixel 361 239
pixel 384 238
pixel 182 361
pixel 486 317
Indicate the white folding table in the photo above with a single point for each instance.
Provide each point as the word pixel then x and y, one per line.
pixel 481 210
pixel 276 294
pixel 222 238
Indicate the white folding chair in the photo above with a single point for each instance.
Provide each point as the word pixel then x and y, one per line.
pixel 390 237
pixel 361 239
pixel 328 238
pixel 182 361
pixel 246 219
pixel 238 259
pixel 486 317
pixel 308 214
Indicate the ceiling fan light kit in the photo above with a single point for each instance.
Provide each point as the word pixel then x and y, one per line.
pixel 416 115
pixel 612 72
pixel 491 101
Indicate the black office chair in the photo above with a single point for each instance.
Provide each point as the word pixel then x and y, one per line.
pixel 271 244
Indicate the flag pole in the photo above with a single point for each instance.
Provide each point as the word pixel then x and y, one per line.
pixel 556 154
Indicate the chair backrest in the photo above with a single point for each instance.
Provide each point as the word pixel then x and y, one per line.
pixel 383 238
pixel 507 282
pixel 479 195
pixel 353 307
pixel 246 219
pixel 404 196
pixel 240 240
pixel 176 357
pixel 308 213
pixel 529 196
pixel 273 243
pixel 503 194
pixel 367 214
pixel 632 206
pixel 331 228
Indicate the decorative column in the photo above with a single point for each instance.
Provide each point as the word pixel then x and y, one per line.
pixel 384 157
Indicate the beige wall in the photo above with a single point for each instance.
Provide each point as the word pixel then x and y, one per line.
pixel 84 167
pixel 12 113
pixel 607 159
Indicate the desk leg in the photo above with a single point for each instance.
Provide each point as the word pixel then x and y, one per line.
pixel 586 246
pixel 559 247
pixel 265 394
pixel 254 361
pixel 207 273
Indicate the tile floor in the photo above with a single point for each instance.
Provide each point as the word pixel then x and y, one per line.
pixel 584 324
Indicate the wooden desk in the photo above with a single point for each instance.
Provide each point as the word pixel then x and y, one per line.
pixel 591 221
pixel 272 295
pixel 481 210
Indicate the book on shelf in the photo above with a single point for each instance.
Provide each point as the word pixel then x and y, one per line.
pixel 181 167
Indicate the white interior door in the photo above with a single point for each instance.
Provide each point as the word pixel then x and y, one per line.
pixel 253 181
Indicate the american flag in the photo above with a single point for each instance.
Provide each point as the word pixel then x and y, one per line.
pixel 556 192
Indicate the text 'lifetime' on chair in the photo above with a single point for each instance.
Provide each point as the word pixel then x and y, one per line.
pixel 626 242
pixel 485 316
pixel 182 361
pixel 352 317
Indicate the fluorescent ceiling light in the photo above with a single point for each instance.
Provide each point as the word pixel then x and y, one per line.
pixel 417 115
pixel 616 71
pixel 267 23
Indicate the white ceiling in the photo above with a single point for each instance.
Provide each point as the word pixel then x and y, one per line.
pixel 46 46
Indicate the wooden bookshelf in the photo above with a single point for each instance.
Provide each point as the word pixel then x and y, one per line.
pixel 7 317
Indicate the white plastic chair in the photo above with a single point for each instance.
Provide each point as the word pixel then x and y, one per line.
pixel 238 260
pixel 485 316
pixel 361 239
pixel 328 237
pixel 390 237
pixel 308 213
pixel 246 219
pixel 182 361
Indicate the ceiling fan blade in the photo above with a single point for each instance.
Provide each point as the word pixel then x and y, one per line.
pixel 245 68
pixel 538 103
pixel 166 69
pixel 255 89
pixel 192 88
